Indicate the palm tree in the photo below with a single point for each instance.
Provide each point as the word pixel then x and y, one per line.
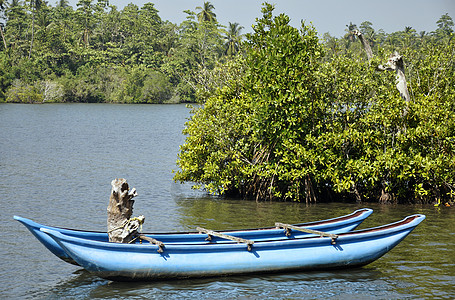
pixel 43 21
pixel 350 31
pixel 85 8
pixel 445 24
pixel 35 5
pixel 233 38
pixel 408 36
pixel 14 3
pixel 368 32
pixel 62 3
pixel 206 13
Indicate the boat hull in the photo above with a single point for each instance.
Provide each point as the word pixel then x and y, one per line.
pixel 143 262
pixel 335 225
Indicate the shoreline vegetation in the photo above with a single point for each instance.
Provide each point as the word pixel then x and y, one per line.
pixel 301 120
pixel 96 53
pixel 286 114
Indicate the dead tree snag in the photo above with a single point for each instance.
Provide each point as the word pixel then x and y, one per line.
pixel 120 226
pixel 365 44
pixel 395 63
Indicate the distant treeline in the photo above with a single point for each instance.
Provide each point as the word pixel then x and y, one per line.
pixel 97 53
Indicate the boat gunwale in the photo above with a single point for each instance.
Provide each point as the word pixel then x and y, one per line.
pixel 353 215
pixel 358 234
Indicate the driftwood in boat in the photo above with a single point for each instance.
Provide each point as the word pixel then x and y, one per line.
pixel 289 228
pixel 225 236
pixel 120 226
pixel 152 241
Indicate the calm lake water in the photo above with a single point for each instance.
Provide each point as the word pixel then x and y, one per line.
pixel 56 165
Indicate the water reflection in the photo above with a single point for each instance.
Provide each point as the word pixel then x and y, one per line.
pixel 59 158
pixel 425 260
pixel 423 264
pixel 278 286
pixel 78 285
pixel 218 213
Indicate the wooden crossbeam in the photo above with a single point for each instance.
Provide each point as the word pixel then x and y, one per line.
pixel 211 233
pixel 153 241
pixel 289 227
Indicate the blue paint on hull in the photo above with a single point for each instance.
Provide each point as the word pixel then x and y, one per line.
pixel 143 262
pixel 335 225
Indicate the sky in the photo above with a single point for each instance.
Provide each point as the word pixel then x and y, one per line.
pixel 326 15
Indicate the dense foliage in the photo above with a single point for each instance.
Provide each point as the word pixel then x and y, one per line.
pixel 97 53
pixel 303 120
pixel 284 114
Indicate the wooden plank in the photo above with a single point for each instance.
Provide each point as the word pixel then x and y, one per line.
pixel 153 241
pixel 289 227
pixel 225 236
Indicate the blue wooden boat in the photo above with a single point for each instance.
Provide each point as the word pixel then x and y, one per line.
pixel 145 261
pixel 335 225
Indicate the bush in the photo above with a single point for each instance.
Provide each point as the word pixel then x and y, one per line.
pixel 249 142
pixel 21 92
pixel 52 91
pixel 298 126
pixel 156 88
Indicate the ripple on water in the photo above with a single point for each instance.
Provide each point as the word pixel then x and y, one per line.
pixel 57 162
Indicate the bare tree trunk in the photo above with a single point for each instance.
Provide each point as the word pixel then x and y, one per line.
pixel 33 36
pixel 120 226
pixel 3 38
pixel 395 63
pixel 365 44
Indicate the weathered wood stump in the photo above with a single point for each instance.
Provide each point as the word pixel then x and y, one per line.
pixel 120 226
pixel 395 63
pixel 365 44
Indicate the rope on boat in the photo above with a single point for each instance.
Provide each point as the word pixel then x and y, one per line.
pixel 125 223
